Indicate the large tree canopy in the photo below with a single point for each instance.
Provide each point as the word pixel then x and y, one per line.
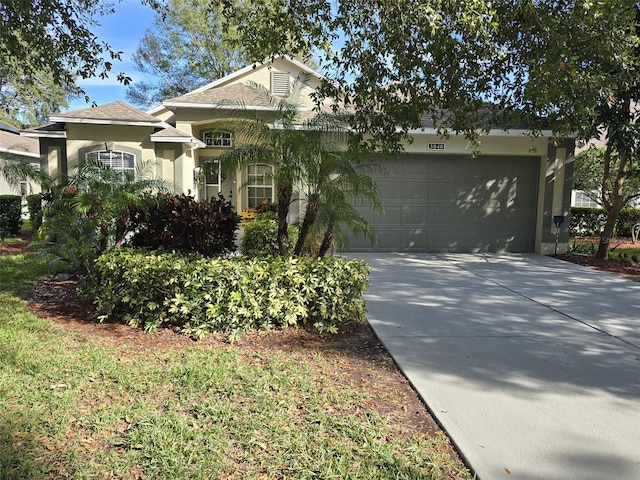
pixel 30 99
pixel 44 47
pixel 184 49
pixel 481 61
pixel 569 65
pixel 55 36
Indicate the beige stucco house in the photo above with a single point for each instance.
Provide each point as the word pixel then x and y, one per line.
pixel 436 198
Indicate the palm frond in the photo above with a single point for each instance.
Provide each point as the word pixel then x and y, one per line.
pixel 15 171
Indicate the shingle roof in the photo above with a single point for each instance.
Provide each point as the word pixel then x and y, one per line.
pixel 115 111
pixel 13 142
pixel 169 131
pixel 236 94
pixel 487 118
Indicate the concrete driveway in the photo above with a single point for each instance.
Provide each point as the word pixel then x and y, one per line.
pixel 531 364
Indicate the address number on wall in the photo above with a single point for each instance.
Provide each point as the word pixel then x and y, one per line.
pixel 436 146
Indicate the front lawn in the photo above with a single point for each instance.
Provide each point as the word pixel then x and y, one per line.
pixel 79 405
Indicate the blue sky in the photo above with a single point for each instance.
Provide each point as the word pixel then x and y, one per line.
pixel 122 31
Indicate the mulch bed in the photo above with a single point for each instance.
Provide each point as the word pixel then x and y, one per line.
pixel 622 267
pixel 356 353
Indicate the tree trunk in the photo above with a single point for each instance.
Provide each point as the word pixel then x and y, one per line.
pixel 613 200
pixel 103 243
pixel 310 214
pixel 284 200
pixel 327 241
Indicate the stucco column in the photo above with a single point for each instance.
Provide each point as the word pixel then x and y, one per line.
pixel 557 197
pixel 183 172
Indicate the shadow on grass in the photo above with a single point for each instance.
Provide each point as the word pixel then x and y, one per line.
pixel 19 447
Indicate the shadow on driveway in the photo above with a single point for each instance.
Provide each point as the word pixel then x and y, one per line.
pixel 531 364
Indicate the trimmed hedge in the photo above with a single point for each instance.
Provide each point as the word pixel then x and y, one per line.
pixel 34 204
pixel 10 215
pixel 260 238
pixel 152 290
pixel 626 220
pixel 589 221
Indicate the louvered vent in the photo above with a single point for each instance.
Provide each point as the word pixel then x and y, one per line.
pixel 280 83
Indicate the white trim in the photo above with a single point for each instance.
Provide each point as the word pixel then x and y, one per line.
pixel 155 110
pixel 60 134
pixel 19 152
pixel 105 122
pixel 494 132
pixel 189 140
pixel 253 67
pixel 223 106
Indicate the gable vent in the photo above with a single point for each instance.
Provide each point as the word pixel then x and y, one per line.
pixel 280 83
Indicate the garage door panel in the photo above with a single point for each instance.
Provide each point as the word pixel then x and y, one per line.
pixel 454 203
pixel 415 215
pixel 414 240
pixel 387 238
pixel 392 216
pixel 419 167
pixel 390 189
pixel 415 189
pixel 444 190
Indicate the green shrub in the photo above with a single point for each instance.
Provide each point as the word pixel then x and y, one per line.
pixel 202 295
pixel 10 215
pixel 178 222
pixel 590 221
pixel 587 221
pixel 34 204
pixel 626 220
pixel 260 238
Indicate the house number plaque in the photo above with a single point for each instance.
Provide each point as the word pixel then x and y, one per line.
pixel 436 146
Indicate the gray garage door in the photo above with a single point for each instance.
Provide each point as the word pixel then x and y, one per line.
pixel 455 204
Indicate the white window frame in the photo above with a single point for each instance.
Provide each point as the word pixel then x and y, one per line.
pixel 217 138
pixel 259 180
pixel 109 157
pixel 581 199
pixel 215 161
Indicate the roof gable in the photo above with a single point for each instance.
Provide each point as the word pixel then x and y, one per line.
pixel 244 74
pixel 233 91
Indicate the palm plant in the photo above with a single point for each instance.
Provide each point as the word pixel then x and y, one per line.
pixel 15 171
pixel 331 179
pixel 349 185
pixel 308 160
pixel 89 211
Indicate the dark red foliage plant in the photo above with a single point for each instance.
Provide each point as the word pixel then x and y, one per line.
pixel 179 222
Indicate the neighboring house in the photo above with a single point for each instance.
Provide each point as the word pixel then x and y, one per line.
pixel 436 198
pixel 13 146
pixel 580 198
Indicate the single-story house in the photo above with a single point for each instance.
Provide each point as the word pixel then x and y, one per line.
pixel 15 147
pixel 436 198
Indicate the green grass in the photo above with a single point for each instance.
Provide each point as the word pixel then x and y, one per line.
pixel 77 407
